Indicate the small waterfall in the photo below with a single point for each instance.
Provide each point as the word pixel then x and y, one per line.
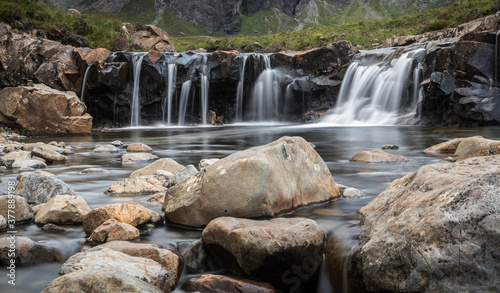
pixel 288 97
pixel 204 89
pixel 84 84
pixel 371 94
pixel 239 91
pixel 266 93
pixel 418 91
pixel 186 89
pixel 136 106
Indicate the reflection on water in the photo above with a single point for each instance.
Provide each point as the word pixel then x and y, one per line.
pixel 189 145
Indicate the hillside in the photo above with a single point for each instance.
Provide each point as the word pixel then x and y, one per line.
pixel 245 17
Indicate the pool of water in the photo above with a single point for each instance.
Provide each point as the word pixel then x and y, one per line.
pixel 188 145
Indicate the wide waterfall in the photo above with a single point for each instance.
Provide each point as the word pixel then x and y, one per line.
pixel 135 105
pixel 372 90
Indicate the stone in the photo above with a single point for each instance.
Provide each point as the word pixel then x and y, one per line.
pixel 21 211
pixel 77 40
pixel 54 228
pixel 142 268
pixel 105 149
pixel 377 156
pixel 63 209
pixel 28 251
pixel 112 230
pixel 137 158
pixel 129 213
pixel 261 181
pixel 139 185
pixel 48 155
pixel 194 255
pixel 211 117
pixel 206 162
pixel 347 191
pixel 164 164
pixel 188 172
pixel 138 148
pixel 11 157
pixel 449 146
pixel 3 223
pixel 148 37
pixel 266 250
pixel 390 147
pixel 58 113
pixel 31 146
pixel 220 283
pixel 36 172
pixel 26 169
pixel 28 165
pixel 117 143
pixel 39 188
pixel 157 197
pixel 103 280
pixel 92 170
pixel 74 13
pixel 167 258
pixel 476 146
pixel 92 55
pixel 436 229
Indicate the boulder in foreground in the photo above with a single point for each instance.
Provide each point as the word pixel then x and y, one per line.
pixel 261 181
pixel 476 147
pixel 434 230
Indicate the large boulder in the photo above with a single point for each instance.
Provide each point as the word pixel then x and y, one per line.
pixel 475 147
pixel 261 181
pixel 377 156
pixel 112 230
pixel 141 268
pixel 103 280
pixel 435 229
pixel 39 188
pixel 41 110
pixel 167 258
pixel 164 164
pixel 148 37
pixel 267 250
pixel 130 213
pixel 63 208
pixel 22 210
pixel 220 283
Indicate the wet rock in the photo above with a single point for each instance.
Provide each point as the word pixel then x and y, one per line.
pixel 449 146
pixel 112 230
pixel 3 223
pixel 58 112
pixel 211 117
pixel 27 251
pixel 28 165
pixel 36 172
pixel 63 209
pixel 138 267
pixel 167 258
pixel 48 155
pixel 206 162
pixel 148 37
pixel 347 191
pixel 39 188
pixel 129 213
pixel 157 197
pixel 164 164
pixel 139 185
pixel 104 280
pixel 54 228
pixel 92 170
pixel 22 210
pixel 220 283
pixel 261 181
pixel 137 158
pixel 11 157
pixel 475 147
pixel 105 149
pixel 138 147
pixel 390 147
pixel 266 250
pixel 435 229
pixel 194 255
pixel 377 156
pixel 185 173
pixel 117 143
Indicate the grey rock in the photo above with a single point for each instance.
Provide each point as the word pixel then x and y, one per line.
pixel 105 149
pixel 21 211
pixel 39 188
pixel 188 172
pixel 194 255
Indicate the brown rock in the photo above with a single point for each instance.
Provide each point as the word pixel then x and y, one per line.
pixel 92 170
pixel 36 172
pixel 130 213
pixel 56 112
pixel 449 146
pixel 21 211
pixel 112 230
pixel 377 156
pixel 139 185
pixel 105 149
pixel 164 164
pixel 158 197
pixel 154 56
pixel 211 117
pixel 92 55
pixel 28 251
pixel 225 58
pixel 475 147
pixel 266 250
pixel 220 283
pixel 48 155
pixel 138 147
pixel 137 158
pixel 3 222
pixel 63 209
pixel 148 37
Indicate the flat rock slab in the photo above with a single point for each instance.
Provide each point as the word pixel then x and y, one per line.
pixel 377 156
pixel 139 185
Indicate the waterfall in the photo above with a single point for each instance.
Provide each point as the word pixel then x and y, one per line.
pixel 371 94
pixel 266 93
pixel 418 91
pixel 239 91
pixel 136 106
pixel 186 89
pixel 204 89
pixel 84 84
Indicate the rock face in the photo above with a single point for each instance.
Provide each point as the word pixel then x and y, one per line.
pixel 63 209
pixel 112 230
pixel 219 283
pixel 435 229
pixel 261 181
pixel 39 188
pixel 57 112
pixel 139 185
pixel 130 213
pixel 267 249
pixel 476 147
pixel 141 268
pixel 377 156
pixel 148 37
pixel 22 209
pixel 165 164
pixel 105 280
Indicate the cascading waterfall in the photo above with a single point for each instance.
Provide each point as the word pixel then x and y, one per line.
pixel 266 93
pixel 418 91
pixel 136 107
pixel 204 89
pixel 239 91
pixel 371 94
pixel 170 76
pixel 186 90
pixel 84 84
